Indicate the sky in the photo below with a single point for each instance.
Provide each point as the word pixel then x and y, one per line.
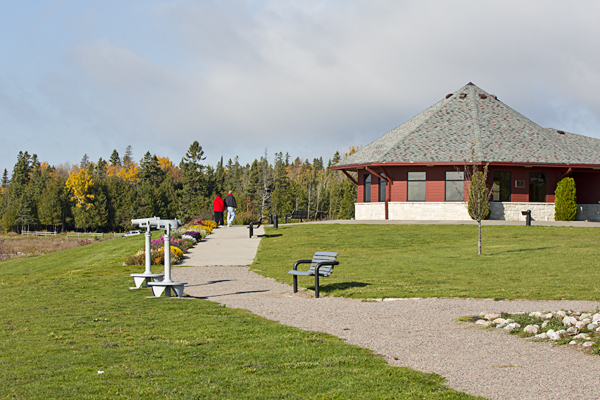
pixel 304 77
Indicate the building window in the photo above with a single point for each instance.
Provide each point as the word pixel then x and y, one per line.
pixel 382 188
pixel 416 186
pixel 501 186
pixel 455 186
pixel 367 188
pixel 537 187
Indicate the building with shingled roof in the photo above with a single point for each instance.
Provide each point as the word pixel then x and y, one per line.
pixel 414 172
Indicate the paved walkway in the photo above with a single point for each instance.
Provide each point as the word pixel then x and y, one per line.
pixel 422 334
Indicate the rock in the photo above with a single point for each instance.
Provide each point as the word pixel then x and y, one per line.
pixel 511 326
pixel 491 317
pixel 535 314
pixel 581 336
pixel 580 324
pixel 560 314
pixel 591 327
pixel 572 331
pixel 598 329
pixel 585 316
pixel 573 342
pixel 498 321
pixel 534 329
pixel 552 335
pixel 545 324
pixel 596 317
pixel 548 315
pixel 541 336
pixel 483 322
pixel 569 321
pixel 588 344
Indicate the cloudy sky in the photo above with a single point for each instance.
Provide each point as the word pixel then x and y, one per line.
pixel 305 77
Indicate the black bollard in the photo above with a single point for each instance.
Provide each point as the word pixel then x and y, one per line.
pixel 251 229
pixel 275 221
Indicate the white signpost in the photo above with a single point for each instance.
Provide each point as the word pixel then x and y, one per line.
pixel 167 284
pixel 147 276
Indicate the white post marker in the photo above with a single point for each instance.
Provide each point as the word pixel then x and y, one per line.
pixel 147 276
pixel 166 285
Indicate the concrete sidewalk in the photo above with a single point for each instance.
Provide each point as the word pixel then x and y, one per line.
pixel 489 222
pixel 225 246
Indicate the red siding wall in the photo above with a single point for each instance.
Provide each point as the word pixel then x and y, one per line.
pixel 587 183
pixel 587 187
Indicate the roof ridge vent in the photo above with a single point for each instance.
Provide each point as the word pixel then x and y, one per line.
pixel 494 96
pixel 463 95
pixel 482 96
pixel 449 95
pixel 560 132
pixel 470 84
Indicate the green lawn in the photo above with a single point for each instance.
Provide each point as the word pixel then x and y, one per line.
pixel 518 262
pixel 70 314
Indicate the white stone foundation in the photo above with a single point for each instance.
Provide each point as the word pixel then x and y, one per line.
pixel 441 211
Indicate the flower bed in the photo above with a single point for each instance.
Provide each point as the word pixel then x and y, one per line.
pixel 182 240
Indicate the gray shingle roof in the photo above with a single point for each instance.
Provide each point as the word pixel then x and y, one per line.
pixel 470 117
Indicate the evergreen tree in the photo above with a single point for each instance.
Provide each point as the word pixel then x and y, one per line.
pixel 114 159
pixel 194 185
pixel 150 171
pixel 565 204
pixel 85 162
pixel 128 157
pixel 100 170
pixel 282 199
pixel 5 179
pixel 50 208
pixel 167 203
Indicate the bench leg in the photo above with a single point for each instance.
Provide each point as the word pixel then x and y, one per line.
pixel 317 286
pixel 295 283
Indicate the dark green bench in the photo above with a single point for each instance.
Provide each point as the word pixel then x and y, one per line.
pixel 321 264
pixel 298 214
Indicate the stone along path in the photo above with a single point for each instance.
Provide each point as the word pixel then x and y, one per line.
pixel 422 334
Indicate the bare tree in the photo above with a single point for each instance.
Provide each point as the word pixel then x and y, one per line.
pixel 265 188
pixel 478 193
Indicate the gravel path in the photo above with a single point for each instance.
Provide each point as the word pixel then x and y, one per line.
pixel 419 333
pixel 422 334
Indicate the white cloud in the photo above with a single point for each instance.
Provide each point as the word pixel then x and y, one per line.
pixel 240 76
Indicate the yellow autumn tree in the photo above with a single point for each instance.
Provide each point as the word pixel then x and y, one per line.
pixel 129 172
pixel 79 183
pixel 166 165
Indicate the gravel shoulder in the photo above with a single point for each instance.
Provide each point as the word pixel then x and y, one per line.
pixel 422 334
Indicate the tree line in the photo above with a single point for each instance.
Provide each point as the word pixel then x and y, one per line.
pixel 105 195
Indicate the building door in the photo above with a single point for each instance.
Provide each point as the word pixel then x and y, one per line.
pixel 537 187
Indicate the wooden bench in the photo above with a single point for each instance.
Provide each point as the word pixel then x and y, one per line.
pixel 321 264
pixel 297 214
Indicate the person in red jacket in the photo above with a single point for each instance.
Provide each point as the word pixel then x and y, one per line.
pixel 218 209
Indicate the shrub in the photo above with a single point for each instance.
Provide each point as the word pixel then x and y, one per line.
pixel 245 217
pixel 565 204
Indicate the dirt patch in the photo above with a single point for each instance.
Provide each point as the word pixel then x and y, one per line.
pixel 17 245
